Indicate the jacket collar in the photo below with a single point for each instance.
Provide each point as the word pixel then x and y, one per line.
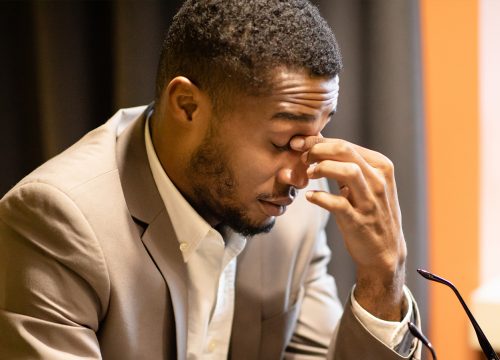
pixel 142 197
pixel 146 207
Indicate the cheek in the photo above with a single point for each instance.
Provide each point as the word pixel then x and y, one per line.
pixel 255 170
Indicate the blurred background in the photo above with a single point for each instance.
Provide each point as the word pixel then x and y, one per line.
pixel 420 84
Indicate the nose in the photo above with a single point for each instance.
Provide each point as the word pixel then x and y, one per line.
pixel 294 172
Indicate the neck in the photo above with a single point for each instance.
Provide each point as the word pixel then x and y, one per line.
pixel 175 163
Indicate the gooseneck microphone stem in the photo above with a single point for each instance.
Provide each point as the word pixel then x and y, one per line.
pixel 419 335
pixel 483 341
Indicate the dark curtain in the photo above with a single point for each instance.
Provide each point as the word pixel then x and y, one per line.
pixel 66 67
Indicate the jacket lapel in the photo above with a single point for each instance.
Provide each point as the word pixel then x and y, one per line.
pixel 146 206
pixel 245 336
pixel 166 254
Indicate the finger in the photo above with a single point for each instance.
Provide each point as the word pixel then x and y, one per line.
pixel 339 147
pixel 332 149
pixel 384 166
pixel 349 177
pixel 336 204
pixel 342 151
pixel 373 158
pixel 305 143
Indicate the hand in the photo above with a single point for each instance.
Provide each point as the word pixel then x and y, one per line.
pixel 367 213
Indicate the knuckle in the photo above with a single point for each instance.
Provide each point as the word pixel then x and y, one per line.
pixel 379 188
pixel 342 147
pixel 369 207
pixel 386 166
pixel 353 170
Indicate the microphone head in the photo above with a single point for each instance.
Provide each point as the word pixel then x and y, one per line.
pixel 425 274
pixel 430 276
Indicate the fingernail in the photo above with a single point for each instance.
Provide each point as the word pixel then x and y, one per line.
pixel 297 143
pixel 309 194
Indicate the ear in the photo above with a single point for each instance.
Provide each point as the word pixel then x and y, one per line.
pixel 184 99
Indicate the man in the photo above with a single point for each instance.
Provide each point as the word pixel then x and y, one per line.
pixel 141 241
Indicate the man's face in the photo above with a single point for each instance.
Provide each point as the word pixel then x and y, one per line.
pixel 244 173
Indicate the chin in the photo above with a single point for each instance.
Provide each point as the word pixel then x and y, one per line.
pixel 251 228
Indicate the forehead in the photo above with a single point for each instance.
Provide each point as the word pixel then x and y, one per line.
pixel 300 88
pixel 296 95
pixel 284 79
pixel 290 95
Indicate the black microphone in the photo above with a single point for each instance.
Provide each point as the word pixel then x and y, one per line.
pixel 483 341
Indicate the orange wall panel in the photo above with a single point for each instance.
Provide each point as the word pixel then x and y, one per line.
pixel 450 66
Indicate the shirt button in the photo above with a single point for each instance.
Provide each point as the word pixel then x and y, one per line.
pixel 211 346
pixel 183 246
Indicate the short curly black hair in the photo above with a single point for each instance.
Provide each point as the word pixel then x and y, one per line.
pixel 228 45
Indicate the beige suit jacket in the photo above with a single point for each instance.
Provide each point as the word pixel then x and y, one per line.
pixel 90 268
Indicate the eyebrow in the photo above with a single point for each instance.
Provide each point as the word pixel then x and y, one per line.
pixel 297 117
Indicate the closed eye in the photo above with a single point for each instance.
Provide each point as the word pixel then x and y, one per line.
pixel 283 147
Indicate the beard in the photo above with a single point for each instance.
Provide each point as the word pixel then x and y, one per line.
pixel 214 190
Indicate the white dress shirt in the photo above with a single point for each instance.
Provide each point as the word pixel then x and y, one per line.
pixel 211 265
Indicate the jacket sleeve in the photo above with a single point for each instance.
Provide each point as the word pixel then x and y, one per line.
pixel 53 278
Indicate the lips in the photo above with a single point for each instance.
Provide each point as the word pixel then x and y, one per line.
pixel 275 207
